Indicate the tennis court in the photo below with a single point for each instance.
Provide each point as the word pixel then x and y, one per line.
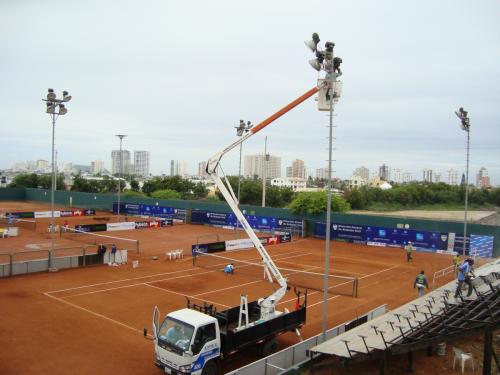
pixel 91 320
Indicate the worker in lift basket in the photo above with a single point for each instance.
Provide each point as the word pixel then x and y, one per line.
pixel 229 269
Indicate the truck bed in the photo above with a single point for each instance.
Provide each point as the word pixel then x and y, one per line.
pixel 232 340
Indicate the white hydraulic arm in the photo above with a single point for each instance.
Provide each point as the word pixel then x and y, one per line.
pixel 268 304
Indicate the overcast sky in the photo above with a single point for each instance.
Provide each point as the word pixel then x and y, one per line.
pixel 177 76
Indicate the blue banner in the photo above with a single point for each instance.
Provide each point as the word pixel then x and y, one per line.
pixel 135 209
pixel 260 223
pixel 481 246
pixel 381 236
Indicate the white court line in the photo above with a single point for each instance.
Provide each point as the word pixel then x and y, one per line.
pixel 239 285
pixel 183 295
pixel 132 285
pixel 149 276
pixel 376 273
pixel 94 313
pixel 136 284
pixel 336 296
pixel 364 261
pixel 333 269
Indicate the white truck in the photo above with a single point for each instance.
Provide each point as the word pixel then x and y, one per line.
pixel 194 340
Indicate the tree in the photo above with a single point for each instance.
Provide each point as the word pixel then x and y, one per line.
pixel 134 185
pixel 166 194
pixel 316 202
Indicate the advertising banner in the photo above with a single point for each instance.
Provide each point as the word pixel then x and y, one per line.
pixel 199 248
pixel 216 247
pixel 91 227
pixel 21 215
pixel 141 224
pixel 89 212
pixel 46 214
pixel 132 209
pixel 66 213
pixel 481 246
pixel 127 225
pixel 381 236
pixel 244 243
pixel 258 223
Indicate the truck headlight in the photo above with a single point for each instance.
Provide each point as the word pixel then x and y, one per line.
pixel 185 368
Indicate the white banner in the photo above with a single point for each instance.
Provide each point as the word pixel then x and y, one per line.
pixel 126 225
pixel 245 243
pixel 372 243
pixel 451 241
pixel 45 214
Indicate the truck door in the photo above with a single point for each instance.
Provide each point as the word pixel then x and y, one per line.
pixel 205 345
pixel 156 323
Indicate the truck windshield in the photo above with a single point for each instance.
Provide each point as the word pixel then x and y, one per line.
pixel 176 333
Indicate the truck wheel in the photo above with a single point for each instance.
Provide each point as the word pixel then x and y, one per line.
pixel 210 368
pixel 270 347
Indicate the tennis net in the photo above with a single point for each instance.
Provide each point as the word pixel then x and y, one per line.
pixel 340 285
pixel 96 239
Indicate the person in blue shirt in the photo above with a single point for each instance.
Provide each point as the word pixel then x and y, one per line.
pixel 229 268
pixel 463 277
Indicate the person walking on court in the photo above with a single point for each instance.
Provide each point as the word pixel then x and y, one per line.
pixel 421 283
pixel 409 249
pixel 463 277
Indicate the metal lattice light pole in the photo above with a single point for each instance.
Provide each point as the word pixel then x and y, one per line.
pixel 55 108
pixel 120 172
pixel 465 124
pixel 328 94
pixel 264 172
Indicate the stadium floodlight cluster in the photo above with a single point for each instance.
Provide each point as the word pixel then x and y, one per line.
pixel 53 103
pixel 464 119
pixel 324 58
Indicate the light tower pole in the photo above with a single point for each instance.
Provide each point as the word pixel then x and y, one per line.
pixel 465 125
pixel 55 108
pixel 264 172
pixel 328 94
pixel 120 172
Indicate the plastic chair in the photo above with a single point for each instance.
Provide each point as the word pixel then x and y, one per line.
pixel 462 357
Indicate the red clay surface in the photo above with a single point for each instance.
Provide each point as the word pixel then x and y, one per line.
pixel 91 320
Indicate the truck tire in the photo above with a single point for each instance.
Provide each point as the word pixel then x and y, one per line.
pixel 269 347
pixel 210 368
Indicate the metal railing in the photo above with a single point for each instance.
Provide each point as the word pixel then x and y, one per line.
pixel 22 262
pixel 442 273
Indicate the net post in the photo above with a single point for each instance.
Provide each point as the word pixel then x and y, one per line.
pixel 137 247
pixel 356 283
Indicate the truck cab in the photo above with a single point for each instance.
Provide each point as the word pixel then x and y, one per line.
pixel 186 341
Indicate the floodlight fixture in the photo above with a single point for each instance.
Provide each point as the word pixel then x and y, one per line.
pixel 50 94
pixel 313 44
pixel 315 64
pixel 66 96
pixel 62 109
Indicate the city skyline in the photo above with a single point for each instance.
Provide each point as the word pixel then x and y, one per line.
pixel 401 82
pixel 478 178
